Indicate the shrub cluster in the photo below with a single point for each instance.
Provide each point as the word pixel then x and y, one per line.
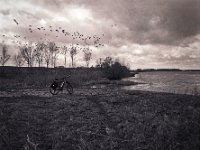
pixel 116 71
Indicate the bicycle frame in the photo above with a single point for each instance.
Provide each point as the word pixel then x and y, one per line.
pixel 60 85
pixel 63 84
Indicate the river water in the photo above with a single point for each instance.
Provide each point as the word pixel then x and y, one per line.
pixel 180 82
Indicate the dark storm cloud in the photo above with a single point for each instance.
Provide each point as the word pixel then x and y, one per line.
pixel 5 12
pixel 150 31
pixel 164 21
pixel 183 18
pixel 148 21
pixel 145 21
pixel 28 15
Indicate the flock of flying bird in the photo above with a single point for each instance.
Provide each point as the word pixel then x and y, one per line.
pixel 87 40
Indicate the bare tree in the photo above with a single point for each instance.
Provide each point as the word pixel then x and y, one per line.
pixel 28 53
pixel 108 61
pixel 73 51
pixel 87 55
pixel 5 56
pixel 99 63
pixel 64 52
pixel 47 56
pixel 39 53
pixel 18 59
pixel 54 51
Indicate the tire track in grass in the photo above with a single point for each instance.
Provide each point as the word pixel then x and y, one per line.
pixel 109 125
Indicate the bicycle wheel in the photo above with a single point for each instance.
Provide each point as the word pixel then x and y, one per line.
pixel 69 88
pixel 53 91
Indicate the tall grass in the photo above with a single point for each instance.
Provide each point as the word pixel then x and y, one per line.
pixel 13 77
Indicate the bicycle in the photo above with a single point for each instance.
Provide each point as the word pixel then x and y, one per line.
pixel 58 86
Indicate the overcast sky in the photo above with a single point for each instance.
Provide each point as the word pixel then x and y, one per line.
pixel 141 33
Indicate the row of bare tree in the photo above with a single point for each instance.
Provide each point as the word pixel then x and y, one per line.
pixel 4 57
pixel 44 53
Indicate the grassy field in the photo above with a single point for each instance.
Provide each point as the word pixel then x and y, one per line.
pixel 13 77
pixel 99 115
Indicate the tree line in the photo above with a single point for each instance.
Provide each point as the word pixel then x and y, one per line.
pixel 44 53
pixel 47 53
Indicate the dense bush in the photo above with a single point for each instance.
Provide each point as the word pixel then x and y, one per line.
pixel 116 71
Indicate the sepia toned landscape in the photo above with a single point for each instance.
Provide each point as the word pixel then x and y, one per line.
pixel 99 75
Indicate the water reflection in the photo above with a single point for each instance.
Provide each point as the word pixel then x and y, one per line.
pixel 170 82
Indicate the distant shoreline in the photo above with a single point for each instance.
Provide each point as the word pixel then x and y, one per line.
pixel 132 70
pixel 152 70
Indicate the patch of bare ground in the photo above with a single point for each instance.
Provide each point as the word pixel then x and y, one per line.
pixel 99 118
